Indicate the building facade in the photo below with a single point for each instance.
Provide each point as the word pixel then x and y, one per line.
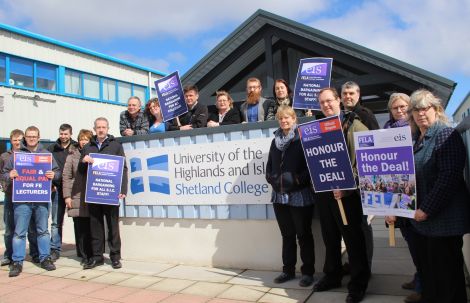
pixel 462 111
pixel 45 82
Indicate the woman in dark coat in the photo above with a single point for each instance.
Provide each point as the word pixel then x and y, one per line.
pixel 443 201
pixel 72 181
pixel 226 113
pixel 292 198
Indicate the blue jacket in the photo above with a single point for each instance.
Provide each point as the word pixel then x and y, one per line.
pixel 441 190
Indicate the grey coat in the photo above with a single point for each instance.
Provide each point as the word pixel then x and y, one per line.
pixel 72 182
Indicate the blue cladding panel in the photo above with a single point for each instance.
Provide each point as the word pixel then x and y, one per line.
pixel 140 144
pixel 127 146
pixel 154 143
pixel 238 212
pixel 206 212
pixel 218 137
pixel 174 212
pixel 257 212
pixel 131 211
pixel 190 212
pixel 270 211
pixel 159 211
pixel 144 212
pixel 223 212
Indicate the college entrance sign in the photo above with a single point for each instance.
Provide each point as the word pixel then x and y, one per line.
pixel 212 173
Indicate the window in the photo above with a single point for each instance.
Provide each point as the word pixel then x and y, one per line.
pixel 73 84
pixel 21 72
pixel 124 92
pixel 46 76
pixel 91 86
pixel 109 90
pixel 2 68
pixel 139 91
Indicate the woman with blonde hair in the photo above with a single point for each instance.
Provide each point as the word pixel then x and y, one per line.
pixel 226 113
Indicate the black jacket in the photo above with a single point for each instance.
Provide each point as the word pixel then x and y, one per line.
pixel 60 155
pixel 367 116
pixel 231 117
pixel 287 171
pixel 196 117
pixel 109 147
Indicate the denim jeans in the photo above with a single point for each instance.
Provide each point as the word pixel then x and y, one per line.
pixel 9 222
pixel 57 214
pixel 24 213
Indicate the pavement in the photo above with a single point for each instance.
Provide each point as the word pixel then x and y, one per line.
pixel 139 282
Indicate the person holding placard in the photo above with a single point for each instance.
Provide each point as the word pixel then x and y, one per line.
pixel 226 113
pixel 197 114
pixel 153 111
pixel 330 219
pixel 24 212
pixel 283 96
pixel 443 201
pixel 104 143
pixel 292 197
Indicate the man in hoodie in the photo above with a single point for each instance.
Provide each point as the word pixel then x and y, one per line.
pixel 103 143
pixel 60 151
pixel 24 212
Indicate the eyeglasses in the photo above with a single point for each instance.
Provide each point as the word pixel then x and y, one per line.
pixel 421 110
pixel 222 101
pixel 401 108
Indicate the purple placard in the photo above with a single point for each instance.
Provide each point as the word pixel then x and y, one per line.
pixel 327 155
pixel 104 178
pixel 313 75
pixel 32 185
pixel 171 97
pixel 385 161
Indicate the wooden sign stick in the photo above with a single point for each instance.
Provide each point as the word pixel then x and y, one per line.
pixel 391 234
pixel 341 211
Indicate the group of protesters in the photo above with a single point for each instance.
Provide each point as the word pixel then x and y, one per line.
pixel 434 236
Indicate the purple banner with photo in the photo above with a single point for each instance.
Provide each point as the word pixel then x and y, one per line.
pixel 327 155
pixel 313 75
pixel 104 178
pixel 171 96
pixel 32 185
pixel 385 165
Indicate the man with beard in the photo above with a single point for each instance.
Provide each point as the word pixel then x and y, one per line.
pixel 133 121
pixel 197 114
pixel 60 151
pixel 255 108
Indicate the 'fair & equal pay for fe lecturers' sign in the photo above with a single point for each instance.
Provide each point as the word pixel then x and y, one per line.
pixel 228 172
pixel 386 170
pixel 327 155
pixel 32 185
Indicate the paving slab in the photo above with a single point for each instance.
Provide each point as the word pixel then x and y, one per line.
pixel 145 296
pixel 171 285
pixel 62 271
pixel 206 274
pixel 112 278
pixel 393 267
pixel 140 281
pixel 244 292
pixel 85 275
pixel 208 289
pixel 265 278
pixel 281 295
pixel 334 297
pixel 112 293
pixel 182 298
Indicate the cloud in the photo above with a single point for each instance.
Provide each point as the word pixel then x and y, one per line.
pixel 162 65
pixel 429 34
pixel 107 19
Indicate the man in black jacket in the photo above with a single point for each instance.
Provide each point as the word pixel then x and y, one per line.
pixel 197 114
pixel 104 143
pixel 60 151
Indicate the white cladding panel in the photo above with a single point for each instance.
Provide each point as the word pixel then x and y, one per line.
pixel 30 48
pixel 20 112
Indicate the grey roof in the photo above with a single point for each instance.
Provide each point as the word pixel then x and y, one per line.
pixel 443 86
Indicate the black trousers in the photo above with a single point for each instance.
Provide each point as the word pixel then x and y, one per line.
pixel 81 226
pixel 440 266
pixel 296 222
pixel 353 235
pixel 98 213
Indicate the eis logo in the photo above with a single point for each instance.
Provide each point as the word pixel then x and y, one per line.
pixel 168 85
pixel 366 141
pixel 314 69
pixel 106 165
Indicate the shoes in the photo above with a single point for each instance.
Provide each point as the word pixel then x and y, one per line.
pixel 116 264
pixel 55 255
pixel 414 298
pixel 84 261
pixel 409 285
pixel 92 263
pixel 35 260
pixel 325 284
pixel 15 269
pixel 355 297
pixel 306 281
pixel 283 277
pixel 5 262
pixel 47 264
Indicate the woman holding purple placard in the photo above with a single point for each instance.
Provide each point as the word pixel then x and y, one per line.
pixel 443 201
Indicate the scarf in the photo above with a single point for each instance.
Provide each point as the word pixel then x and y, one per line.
pixel 282 141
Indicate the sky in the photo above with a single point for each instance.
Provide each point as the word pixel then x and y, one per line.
pixel 175 35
